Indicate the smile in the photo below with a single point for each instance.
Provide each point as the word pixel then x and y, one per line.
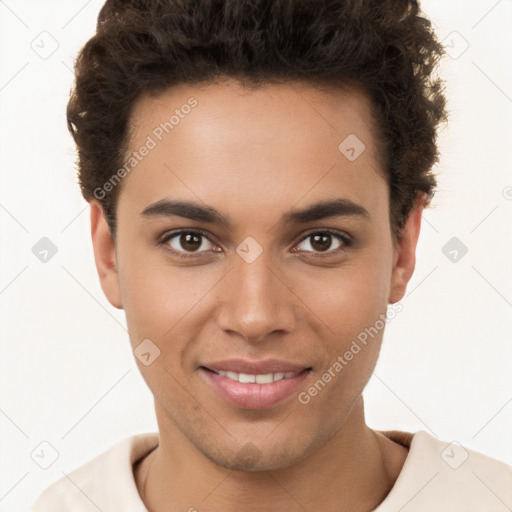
pixel 265 378
pixel 254 390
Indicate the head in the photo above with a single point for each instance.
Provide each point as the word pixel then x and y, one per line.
pixel 293 142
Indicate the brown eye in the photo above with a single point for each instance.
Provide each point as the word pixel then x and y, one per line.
pixel 188 242
pixel 321 242
pixel 324 242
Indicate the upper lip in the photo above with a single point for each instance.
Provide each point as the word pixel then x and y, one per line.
pixel 255 367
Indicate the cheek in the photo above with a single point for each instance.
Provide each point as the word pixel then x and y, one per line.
pixel 352 304
pixel 348 299
pixel 158 297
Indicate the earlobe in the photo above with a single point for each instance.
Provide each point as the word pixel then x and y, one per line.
pixel 405 253
pixel 105 255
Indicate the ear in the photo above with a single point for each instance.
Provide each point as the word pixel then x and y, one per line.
pixel 105 255
pixel 405 253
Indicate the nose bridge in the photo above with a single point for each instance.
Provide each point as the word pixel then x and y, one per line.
pixel 255 301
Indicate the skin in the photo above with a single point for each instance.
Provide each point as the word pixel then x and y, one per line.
pixel 255 154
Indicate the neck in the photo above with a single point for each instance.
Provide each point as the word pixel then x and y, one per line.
pixel 353 471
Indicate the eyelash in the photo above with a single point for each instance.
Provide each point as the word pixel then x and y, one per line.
pixel 344 239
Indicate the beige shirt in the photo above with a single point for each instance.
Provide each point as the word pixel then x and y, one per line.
pixel 437 477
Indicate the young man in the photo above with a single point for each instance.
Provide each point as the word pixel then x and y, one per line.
pixel 256 172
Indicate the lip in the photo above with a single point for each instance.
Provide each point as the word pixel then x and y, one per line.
pixel 255 367
pixel 254 395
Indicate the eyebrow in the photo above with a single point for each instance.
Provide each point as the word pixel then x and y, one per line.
pixel 194 211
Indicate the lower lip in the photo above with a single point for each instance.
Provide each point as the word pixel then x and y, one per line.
pixel 253 395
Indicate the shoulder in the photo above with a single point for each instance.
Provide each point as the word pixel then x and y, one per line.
pixel 439 475
pixel 104 483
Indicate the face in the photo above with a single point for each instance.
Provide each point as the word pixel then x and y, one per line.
pixel 248 242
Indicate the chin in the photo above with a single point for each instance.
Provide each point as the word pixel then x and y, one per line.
pixel 251 458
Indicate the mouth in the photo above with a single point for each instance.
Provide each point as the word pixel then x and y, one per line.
pixel 248 378
pixel 258 385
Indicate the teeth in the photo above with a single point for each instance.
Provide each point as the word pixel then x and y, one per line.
pixel 246 378
pixel 260 379
pixel 264 379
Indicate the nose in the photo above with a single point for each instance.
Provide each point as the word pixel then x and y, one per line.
pixel 256 301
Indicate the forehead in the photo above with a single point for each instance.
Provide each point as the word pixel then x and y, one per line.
pixel 226 107
pixel 261 144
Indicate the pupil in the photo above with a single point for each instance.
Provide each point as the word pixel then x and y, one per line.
pixel 190 242
pixel 321 242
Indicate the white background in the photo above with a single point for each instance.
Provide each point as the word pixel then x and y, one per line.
pixel 67 373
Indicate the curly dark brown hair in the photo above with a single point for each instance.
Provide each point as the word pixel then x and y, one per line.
pixel 385 47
